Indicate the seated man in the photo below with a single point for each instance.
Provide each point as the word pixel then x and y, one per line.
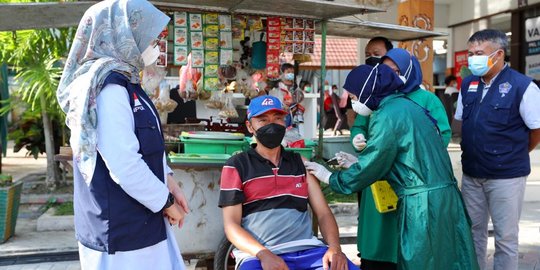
pixel 265 193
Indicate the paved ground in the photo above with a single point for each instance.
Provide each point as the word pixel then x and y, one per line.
pixel 28 241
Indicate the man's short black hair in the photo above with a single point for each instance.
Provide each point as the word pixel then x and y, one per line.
pixel 286 66
pixel 495 36
pixel 449 79
pixel 386 42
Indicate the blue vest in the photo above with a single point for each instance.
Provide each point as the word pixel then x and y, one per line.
pixel 495 139
pixel 107 219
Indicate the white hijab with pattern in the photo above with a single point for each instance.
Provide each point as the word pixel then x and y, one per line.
pixel 111 36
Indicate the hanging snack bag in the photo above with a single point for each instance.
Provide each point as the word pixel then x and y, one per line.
pixel 211 18
pixel 211 30
pixel 226 57
pixel 197 58
pixel 225 23
pixel 180 37
pixel 195 22
pixel 310 24
pixel 225 40
pixel 180 19
pixel 197 41
pixel 211 71
pixel 298 23
pixel 255 23
pixel 211 43
pixel 211 84
pixel 211 57
pixel 180 55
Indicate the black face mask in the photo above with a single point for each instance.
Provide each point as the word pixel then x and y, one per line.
pixel 270 135
pixel 373 60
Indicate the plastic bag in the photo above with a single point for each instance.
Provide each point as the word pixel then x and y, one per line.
pixel 228 110
pixel 292 135
pixel 163 103
pixel 151 78
pixel 189 81
pixel 215 101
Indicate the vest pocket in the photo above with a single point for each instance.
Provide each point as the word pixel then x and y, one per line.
pixel 468 105
pixel 499 111
pixel 149 139
pixel 496 153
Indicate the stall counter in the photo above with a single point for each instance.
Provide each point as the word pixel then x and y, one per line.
pixel 203 226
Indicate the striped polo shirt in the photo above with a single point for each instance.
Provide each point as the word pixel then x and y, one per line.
pixel 274 199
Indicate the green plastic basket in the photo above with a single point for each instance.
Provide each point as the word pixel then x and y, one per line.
pixel 199 158
pixel 207 146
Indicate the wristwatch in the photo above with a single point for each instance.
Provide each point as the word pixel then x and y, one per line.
pixel 169 202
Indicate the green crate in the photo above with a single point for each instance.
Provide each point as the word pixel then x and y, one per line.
pixel 10 198
pixel 208 146
pixel 305 152
pixel 199 158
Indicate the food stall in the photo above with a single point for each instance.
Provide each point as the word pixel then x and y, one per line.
pixel 214 48
pixel 219 53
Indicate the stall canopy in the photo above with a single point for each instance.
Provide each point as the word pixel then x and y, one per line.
pixel 314 9
pixel 63 14
pixel 358 28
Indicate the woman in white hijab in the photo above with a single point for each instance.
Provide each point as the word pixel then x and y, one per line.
pixel 125 197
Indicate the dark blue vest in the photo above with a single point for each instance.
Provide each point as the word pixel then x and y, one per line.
pixel 107 219
pixel 495 139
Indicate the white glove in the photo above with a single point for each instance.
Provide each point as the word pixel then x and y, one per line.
pixel 359 142
pixel 345 160
pixel 319 171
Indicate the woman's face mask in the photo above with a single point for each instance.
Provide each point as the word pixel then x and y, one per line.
pixel 150 54
pixel 481 64
pixel 360 108
pixel 407 73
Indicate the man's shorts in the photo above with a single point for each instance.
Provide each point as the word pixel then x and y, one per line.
pixel 309 259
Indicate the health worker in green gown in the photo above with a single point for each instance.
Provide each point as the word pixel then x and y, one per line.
pixel 432 225
pixel 377 232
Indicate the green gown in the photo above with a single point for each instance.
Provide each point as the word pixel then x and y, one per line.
pixel 377 232
pixel 433 228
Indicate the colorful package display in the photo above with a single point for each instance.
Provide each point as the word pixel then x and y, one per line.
pixel 298 35
pixel 162 58
pixel 211 51
pixel 273 47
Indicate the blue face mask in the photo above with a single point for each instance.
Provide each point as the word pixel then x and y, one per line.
pixel 481 64
pixel 288 76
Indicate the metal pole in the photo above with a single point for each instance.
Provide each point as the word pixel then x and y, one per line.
pixel 321 94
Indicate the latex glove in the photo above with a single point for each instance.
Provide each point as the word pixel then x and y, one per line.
pixel 318 171
pixel 345 160
pixel 359 142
